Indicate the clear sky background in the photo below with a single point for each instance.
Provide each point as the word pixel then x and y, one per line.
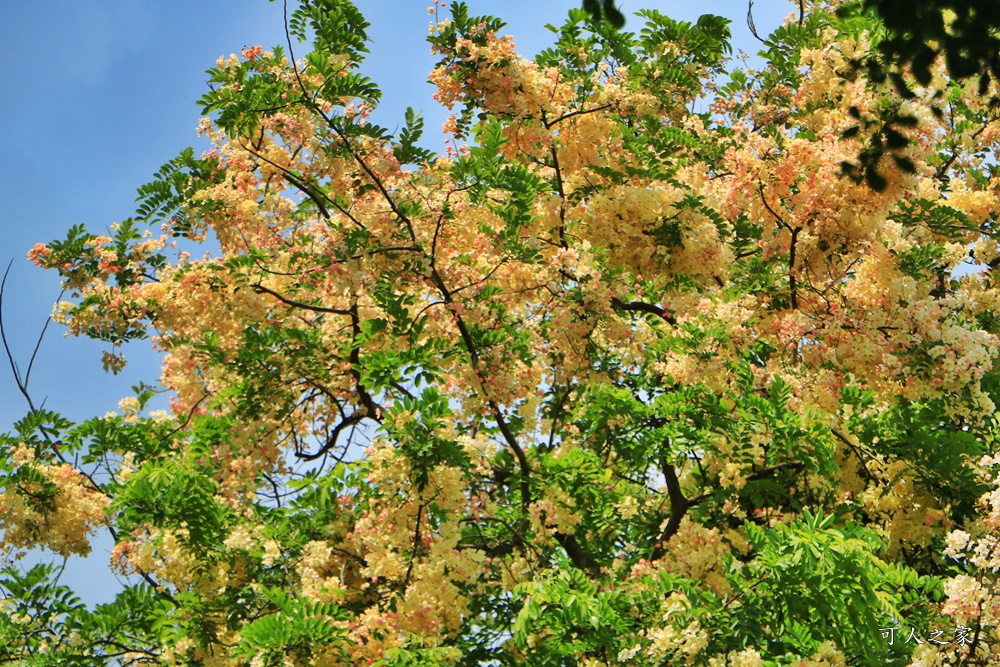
pixel 95 95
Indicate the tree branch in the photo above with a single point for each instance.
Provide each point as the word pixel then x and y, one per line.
pixel 864 468
pixel 260 289
pixel 678 508
pixel 642 307
pixel 550 124
pixel 580 557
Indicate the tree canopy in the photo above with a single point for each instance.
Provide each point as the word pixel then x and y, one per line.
pixel 631 374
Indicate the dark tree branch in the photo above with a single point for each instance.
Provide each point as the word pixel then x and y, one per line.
pixel 560 188
pixel 791 270
pixel 751 24
pixel 770 210
pixel 642 307
pixel 260 289
pixel 416 546
pixel 21 382
pixel 550 124
pixel 331 442
pixel 770 470
pixel 864 468
pixel 580 557
pixel 367 401
pixel 678 508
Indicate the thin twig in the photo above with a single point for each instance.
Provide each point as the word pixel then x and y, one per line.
pixel 750 22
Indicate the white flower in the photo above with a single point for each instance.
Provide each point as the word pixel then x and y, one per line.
pixel 957 541
pixel 627 654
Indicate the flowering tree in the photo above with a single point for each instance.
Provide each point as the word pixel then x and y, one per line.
pixel 623 377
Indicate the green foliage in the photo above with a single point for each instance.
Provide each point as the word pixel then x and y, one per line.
pixel 812 578
pixel 963 31
pixel 605 9
pixel 294 628
pixel 407 151
pixel 333 26
pixel 414 425
pixel 571 614
pixel 164 199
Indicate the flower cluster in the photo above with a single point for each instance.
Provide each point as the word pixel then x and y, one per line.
pixel 50 505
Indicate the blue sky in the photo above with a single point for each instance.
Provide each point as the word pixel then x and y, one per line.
pixel 97 94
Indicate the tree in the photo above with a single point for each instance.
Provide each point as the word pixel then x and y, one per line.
pixel 614 381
